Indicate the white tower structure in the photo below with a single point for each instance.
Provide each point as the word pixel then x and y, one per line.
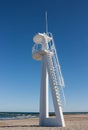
pixel 44 50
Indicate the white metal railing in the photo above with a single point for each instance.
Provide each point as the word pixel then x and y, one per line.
pixel 36 48
pixel 56 61
pixel 54 70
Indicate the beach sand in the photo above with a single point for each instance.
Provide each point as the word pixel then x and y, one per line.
pixel 73 122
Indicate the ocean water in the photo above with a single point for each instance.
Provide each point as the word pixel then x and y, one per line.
pixel 18 115
pixel 25 115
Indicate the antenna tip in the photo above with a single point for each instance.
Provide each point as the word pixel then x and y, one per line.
pixel 46 22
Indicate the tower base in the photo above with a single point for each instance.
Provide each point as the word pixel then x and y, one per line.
pixel 50 122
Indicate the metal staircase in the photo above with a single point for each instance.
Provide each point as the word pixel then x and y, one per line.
pixel 55 75
pixel 53 79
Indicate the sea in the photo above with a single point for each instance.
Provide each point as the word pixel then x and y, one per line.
pixel 25 115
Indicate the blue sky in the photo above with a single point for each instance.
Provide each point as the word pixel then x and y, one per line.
pixel 20 20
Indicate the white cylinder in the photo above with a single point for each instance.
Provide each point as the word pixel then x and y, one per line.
pixel 44 93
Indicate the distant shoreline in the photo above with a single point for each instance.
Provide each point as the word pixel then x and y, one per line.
pixel 26 115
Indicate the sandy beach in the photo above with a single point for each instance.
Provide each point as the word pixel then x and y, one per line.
pixel 73 122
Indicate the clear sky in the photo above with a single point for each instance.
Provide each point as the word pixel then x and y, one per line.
pixel 20 20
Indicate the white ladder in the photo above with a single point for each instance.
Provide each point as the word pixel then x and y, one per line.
pixel 53 79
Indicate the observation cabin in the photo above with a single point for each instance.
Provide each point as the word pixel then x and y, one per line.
pixel 41 46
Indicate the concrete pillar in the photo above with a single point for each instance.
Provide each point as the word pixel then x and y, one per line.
pixel 44 93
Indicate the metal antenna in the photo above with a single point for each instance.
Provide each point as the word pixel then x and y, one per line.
pixel 46 22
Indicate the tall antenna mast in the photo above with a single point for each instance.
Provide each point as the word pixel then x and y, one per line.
pixel 46 22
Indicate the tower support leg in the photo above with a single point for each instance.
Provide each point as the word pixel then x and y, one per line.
pixel 44 111
pixel 44 93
